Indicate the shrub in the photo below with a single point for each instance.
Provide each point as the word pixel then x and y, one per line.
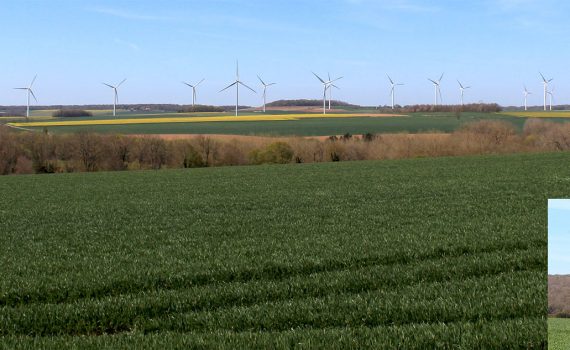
pixel 200 108
pixel 275 153
pixel 70 113
pixel 368 137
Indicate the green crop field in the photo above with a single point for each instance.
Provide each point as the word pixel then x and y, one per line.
pixel 559 333
pixel 414 254
pixel 415 122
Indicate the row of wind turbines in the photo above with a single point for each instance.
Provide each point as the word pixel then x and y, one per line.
pixel 327 87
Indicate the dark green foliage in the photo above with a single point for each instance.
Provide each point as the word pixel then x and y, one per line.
pixel 331 255
pixel 71 113
pixel 200 108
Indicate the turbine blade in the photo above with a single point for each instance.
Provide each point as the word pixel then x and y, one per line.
pixel 200 82
pixel 247 86
pixel 460 84
pixel 391 82
pixel 121 82
pixel 432 81
pixel 271 84
pixel 33 80
pixel 31 92
pixel 330 81
pixel 261 80
pixel 468 87
pixel 329 75
pixel 441 77
pixel 229 86
pixel 111 86
pixel 21 88
pixel 333 85
pixel 185 83
pixel 322 81
pixel 542 76
pixel 549 80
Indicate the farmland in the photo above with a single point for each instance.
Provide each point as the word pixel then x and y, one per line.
pixel 416 253
pixel 277 123
pixel 558 333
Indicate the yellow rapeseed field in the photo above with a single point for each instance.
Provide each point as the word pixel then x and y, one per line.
pixel 540 114
pixel 244 118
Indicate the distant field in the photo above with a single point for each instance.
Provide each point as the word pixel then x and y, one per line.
pixel 176 118
pixel 543 114
pixel 559 333
pixel 278 124
pixel 330 255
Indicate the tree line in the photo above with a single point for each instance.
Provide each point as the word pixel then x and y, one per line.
pixel 33 152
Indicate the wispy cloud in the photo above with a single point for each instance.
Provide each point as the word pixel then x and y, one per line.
pixel 128 44
pixel 399 5
pixel 129 14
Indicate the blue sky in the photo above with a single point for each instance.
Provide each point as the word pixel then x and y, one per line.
pixel 559 236
pixel 495 46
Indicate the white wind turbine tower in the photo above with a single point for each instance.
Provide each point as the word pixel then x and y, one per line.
pixel 551 96
pixel 30 92
pixel 264 90
pixel 237 83
pixel 331 85
pixel 116 99
pixel 326 85
pixel 545 83
pixel 393 87
pixel 436 85
pixel 526 93
pixel 462 89
pixel 193 90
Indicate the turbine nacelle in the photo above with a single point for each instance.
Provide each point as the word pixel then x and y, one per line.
pixel 237 83
pixel 326 86
pixel 116 100
pixel 30 92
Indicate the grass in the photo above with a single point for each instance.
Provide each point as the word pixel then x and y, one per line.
pixel 413 254
pixel 558 333
pixel 280 125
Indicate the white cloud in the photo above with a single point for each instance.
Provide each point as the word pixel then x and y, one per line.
pixel 130 15
pixel 128 44
pixel 398 5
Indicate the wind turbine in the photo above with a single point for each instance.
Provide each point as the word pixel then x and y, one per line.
pixel 30 92
pixel 526 93
pixel 116 99
pixel 551 95
pixel 545 83
pixel 462 89
pixel 193 90
pixel 331 85
pixel 393 87
pixel 264 90
pixel 326 85
pixel 436 85
pixel 237 83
